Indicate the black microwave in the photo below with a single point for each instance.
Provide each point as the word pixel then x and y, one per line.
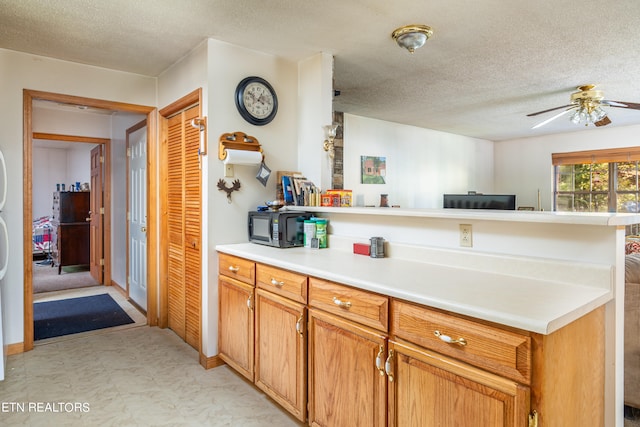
pixel 279 229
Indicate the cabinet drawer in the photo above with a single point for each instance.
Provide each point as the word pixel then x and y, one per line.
pixel 497 350
pixel 238 268
pixel 282 282
pixel 360 306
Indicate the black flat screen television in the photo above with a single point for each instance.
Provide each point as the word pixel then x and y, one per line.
pixel 480 201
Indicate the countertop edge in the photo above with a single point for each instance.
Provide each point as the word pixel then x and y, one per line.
pixel 547 217
pixel 314 263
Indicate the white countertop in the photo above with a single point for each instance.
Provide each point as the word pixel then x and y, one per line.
pixel 528 303
pixel 548 217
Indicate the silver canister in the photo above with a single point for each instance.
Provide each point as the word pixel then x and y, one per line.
pixel 377 247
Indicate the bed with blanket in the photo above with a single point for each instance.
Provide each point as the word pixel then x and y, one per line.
pixel 42 236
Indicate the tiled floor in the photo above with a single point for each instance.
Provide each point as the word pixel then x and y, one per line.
pixel 137 376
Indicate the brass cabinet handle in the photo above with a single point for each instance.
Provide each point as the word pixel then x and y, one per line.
pixel 388 367
pixel 234 269
pixel 299 326
pixel 446 338
pixel 249 304
pixel 379 360
pixel 342 304
pixel 274 282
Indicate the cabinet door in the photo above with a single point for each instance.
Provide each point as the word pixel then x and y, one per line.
pixel 281 356
pixel 427 389
pixel 235 325
pixel 345 386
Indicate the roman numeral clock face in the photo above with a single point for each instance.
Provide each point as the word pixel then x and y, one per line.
pixel 256 101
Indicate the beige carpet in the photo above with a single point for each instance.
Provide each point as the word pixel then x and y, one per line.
pixel 47 279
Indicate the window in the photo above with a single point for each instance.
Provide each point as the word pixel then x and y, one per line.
pixel 589 187
pixel 597 181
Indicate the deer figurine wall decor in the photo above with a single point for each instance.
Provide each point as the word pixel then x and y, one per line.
pixel 222 186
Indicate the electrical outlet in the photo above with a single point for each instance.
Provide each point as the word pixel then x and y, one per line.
pixel 228 171
pixel 466 235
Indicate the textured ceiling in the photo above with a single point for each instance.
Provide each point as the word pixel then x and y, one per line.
pixel 488 64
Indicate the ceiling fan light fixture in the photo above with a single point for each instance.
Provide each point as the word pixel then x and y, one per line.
pixel 412 37
pixel 575 117
pixel 600 113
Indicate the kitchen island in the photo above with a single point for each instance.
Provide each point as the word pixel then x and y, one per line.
pixel 537 273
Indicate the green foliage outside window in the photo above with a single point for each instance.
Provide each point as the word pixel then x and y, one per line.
pixel 597 187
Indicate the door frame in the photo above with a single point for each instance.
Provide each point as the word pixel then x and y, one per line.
pixel 28 97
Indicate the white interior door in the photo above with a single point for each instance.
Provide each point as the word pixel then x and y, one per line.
pixel 137 221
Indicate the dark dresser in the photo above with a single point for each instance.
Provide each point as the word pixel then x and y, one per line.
pixel 72 241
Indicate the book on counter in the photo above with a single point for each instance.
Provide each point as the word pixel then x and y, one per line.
pixel 297 190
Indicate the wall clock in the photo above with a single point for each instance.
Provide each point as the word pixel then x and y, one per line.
pixel 256 100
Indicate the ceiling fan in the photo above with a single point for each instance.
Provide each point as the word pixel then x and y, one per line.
pixel 586 107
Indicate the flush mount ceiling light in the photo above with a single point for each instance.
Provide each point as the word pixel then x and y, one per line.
pixel 411 37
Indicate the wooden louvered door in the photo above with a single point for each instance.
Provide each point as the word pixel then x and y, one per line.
pixel 184 217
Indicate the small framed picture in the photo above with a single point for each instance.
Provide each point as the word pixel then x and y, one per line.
pixel 373 170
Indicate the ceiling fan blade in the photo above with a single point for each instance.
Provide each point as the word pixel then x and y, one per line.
pixel 613 103
pixel 631 105
pixel 603 122
pixel 552 118
pixel 550 109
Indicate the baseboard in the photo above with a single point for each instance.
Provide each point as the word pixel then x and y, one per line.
pixel 15 348
pixel 210 362
pixel 119 288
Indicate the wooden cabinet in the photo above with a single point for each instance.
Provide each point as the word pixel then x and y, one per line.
pixel 281 338
pixel 236 320
pixel 262 332
pixel 372 360
pixel 428 389
pixel 72 240
pixel 281 351
pixel 347 385
pixel 360 306
pixel 70 206
pixel 498 350
pixel 465 369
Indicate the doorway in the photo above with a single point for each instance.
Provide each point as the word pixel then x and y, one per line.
pixel 29 96
pixel 67 186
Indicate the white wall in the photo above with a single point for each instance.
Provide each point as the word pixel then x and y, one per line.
pixel 523 166
pixel 49 168
pixel 315 108
pixel 53 166
pixel 422 164
pixel 227 221
pixel 23 71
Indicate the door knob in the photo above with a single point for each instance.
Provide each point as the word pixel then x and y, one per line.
pixel 143 229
